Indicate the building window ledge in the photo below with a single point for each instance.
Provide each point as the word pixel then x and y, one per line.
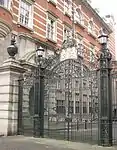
pixel 68 14
pixel 92 34
pixel 29 28
pixel 51 40
pixel 53 2
pixel 52 13
pixel 81 24
pixel 66 24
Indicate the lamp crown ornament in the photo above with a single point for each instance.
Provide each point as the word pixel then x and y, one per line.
pixel 40 51
pixel 12 49
pixel 104 53
pixel 39 56
pixel 103 37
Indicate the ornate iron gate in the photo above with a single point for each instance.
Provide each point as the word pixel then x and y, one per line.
pixel 26 105
pixel 70 102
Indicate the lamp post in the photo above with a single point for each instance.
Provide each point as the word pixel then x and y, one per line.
pixel 105 103
pixel 39 95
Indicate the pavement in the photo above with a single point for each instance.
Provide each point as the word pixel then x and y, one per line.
pixel 30 143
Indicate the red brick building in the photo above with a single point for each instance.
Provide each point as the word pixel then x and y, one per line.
pixel 48 22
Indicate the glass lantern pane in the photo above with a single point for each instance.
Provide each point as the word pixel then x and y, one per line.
pixel 103 40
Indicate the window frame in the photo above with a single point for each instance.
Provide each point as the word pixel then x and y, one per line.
pixel 69 34
pixel 91 26
pixel 79 40
pixel 77 107
pixel 54 2
pixel 84 107
pixel 30 23
pixel 78 16
pixel 90 107
pixel 92 51
pixel 54 19
pixel 60 106
pixel 68 8
pixel 6 4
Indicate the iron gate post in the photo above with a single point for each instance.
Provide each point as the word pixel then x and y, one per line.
pixel 36 102
pixel 41 105
pixel 39 94
pixel 105 104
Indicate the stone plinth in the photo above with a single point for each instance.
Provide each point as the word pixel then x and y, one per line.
pixel 10 72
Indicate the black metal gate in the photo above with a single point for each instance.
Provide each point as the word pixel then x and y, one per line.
pixel 70 101
pixel 26 105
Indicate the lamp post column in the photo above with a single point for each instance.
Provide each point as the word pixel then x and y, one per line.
pixel 105 103
pixel 41 103
pixel 36 102
pixel 39 95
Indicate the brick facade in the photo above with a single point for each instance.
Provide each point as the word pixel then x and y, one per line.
pixel 38 33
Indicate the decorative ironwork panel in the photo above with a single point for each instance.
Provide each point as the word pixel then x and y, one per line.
pixel 70 100
pixel 69 88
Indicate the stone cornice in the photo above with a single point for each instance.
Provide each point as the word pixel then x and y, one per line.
pixel 12 65
pixel 52 13
pixel 66 24
pixel 36 40
pixel 13 69
pixel 30 1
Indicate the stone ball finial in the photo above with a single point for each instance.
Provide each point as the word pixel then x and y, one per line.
pixel 12 49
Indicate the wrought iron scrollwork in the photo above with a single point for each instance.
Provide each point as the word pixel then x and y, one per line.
pixel 64 94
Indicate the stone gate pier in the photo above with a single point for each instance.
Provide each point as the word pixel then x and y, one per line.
pixel 10 72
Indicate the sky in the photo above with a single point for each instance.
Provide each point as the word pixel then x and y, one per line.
pixel 107 7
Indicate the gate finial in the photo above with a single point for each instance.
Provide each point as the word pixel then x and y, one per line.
pixel 12 49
